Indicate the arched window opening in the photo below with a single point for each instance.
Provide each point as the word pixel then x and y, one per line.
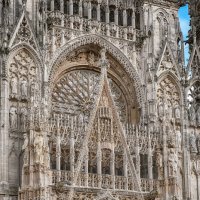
pixel 103 15
pixel 119 165
pixel 120 17
pixel 106 161
pixel 52 150
pixel 75 9
pixel 143 165
pixel 85 10
pixel 112 13
pixel 65 159
pixel 49 5
pixel 66 7
pixel 57 5
pixel 155 168
pixel 137 15
pixel 94 12
pixel 92 163
pixel 137 20
pixel 129 17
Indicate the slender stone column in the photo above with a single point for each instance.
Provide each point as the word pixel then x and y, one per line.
pixel 107 14
pixel 71 9
pixel 198 185
pixel 89 10
pixel 99 158
pixel 133 18
pixel 62 6
pixel 4 125
pixel 112 167
pixel 72 152
pixel 86 167
pixel 99 12
pixel 116 16
pixel 125 168
pixel 124 18
pixel 52 5
pixel 58 151
pixel 81 8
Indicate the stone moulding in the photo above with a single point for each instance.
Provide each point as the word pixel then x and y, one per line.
pixel 110 48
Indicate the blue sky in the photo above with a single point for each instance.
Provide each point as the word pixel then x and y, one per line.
pixel 184 22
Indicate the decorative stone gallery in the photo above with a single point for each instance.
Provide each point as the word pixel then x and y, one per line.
pixel 96 100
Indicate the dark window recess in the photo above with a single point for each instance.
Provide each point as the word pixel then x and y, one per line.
pixel 137 20
pixel 94 13
pixel 56 4
pixel 119 172
pixel 120 17
pixel 66 7
pixel 112 14
pixel 155 168
pixel 103 15
pixel 106 170
pixel 85 11
pixel 129 17
pixel 143 165
pixel 75 9
pixel 49 5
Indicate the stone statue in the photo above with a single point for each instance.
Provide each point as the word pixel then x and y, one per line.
pixel 177 112
pixel 192 113
pixel 13 118
pixel 168 111
pixel 161 109
pixel 172 163
pixel 23 119
pixel 24 88
pixel 178 138
pixel 25 149
pixel 38 148
pixel 14 85
pixel 193 145
pixel 198 116
pixel 25 141
pixel 198 144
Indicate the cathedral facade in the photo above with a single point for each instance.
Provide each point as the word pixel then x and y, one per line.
pixel 97 102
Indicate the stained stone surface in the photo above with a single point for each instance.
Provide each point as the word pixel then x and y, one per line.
pixel 96 102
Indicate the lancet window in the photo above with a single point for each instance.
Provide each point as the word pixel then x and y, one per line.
pixel 129 17
pixel 66 7
pixel 112 13
pixel 120 17
pixel 57 5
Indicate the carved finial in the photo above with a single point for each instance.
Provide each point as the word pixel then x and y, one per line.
pixel 103 62
pixel 194 35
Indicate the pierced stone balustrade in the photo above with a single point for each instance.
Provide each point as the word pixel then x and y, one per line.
pixel 75 22
pixel 106 181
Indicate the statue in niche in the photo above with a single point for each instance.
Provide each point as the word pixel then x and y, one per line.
pixel 177 112
pixel 13 86
pixel 38 148
pixel 192 113
pixel 24 148
pixel 198 144
pixel 24 88
pixel 91 59
pixel 178 138
pixel 32 89
pixel 13 118
pixel 168 111
pixel 172 162
pixel 161 109
pixel 198 116
pixel 23 119
pixel 193 145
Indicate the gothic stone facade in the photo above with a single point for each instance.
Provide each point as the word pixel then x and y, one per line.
pixel 96 101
